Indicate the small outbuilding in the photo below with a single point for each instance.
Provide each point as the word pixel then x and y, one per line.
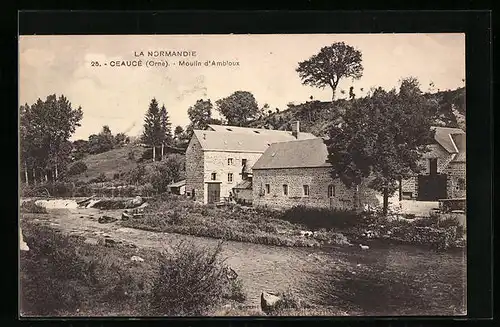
pixel 178 188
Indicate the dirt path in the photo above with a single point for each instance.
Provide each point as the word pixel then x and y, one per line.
pixel 348 277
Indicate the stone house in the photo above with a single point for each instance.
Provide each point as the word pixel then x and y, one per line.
pixel 298 173
pixel 220 157
pixel 444 168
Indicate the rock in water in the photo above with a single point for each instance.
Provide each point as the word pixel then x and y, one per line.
pixel 137 259
pixel 106 219
pixel 23 245
pixel 135 202
pixel 126 216
pixel 268 301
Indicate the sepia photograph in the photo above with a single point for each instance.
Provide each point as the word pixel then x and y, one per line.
pixel 242 175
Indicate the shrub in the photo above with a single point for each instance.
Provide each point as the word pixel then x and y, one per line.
pixel 190 281
pixel 316 218
pixel 131 155
pixel 99 179
pixel 60 274
pixel 235 291
pixel 76 168
pixel 32 207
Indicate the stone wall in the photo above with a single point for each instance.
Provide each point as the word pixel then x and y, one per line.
pixel 194 169
pixel 410 185
pixel 318 180
pixel 217 162
pixel 457 182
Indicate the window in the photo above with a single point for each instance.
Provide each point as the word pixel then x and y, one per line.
pixel 230 177
pixel 230 161
pixel 285 189
pixel 243 162
pixel 433 166
pixel 268 189
pixel 214 176
pixel 331 191
pixel 306 190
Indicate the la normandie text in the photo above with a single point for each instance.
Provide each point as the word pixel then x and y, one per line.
pixel 161 53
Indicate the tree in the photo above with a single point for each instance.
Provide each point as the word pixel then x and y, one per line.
pixel 45 128
pixel 178 131
pixel 330 65
pixel 102 142
pixel 381 139
pixel 166 131
pixel 200 114
pixel 238 108
pixel 152 134
pixel 120 139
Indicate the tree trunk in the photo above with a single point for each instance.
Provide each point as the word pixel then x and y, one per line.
pixel 162 146
pixel 26 173
pixel 46 177
pixel 154 152
pixel 400 189
pixel 34 176
pixel 386 201
pixel 56 171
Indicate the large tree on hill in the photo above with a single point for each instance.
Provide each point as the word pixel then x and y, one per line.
pixel 238 108
pixel 45 128
pixel 200 114
pixel 382 138
pixel 330 65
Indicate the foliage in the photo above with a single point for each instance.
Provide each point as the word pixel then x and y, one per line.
pixel 190 280
pixel 137 175
pixel 330 65
pixel 80 149
pixel 162 173
pixel 235 291
pixel 76 277
pixel 32 207
pixel 76 168
pixel 382 137
pixel 45 128
pixel 156 125
pixel 239 108
pixel 317 218
pixel 102 142
pixel 121 139
pixel 200 114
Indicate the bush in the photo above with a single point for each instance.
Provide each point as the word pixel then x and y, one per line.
pixel 99 179
pixel 60 275
pixel 189 281
pixel 316 218
pixel 32 207
pixel 235 291
pixel 76 168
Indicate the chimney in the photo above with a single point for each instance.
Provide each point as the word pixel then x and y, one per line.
pixel 296 129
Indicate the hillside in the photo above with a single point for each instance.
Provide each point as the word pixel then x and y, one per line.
pixel 316 116
pixel 116 161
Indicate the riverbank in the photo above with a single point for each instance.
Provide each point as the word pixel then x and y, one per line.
pixel 338 280
pixel 298 226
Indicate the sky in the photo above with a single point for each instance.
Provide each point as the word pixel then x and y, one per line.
pixel 119 96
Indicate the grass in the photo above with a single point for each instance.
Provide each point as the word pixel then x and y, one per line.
pixel 109 163
pixel 175 214
pixel 32 207
pixel 62 275
pixel 179 215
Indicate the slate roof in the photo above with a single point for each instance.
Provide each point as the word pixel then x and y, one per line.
pixel 240 141
pixel 259 131
pixel 310 153
pixel 460 141
pixel 244 185
pixel 178 184
pixel 443 136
